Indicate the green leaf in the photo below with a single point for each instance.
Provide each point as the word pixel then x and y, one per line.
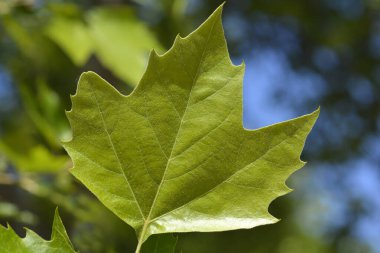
pixel 160 244
pixel 60 243
pixel 35 159
pixel 114 34
pixel 44 110
pixel 173 156
pixel 121 41
pixel 72 36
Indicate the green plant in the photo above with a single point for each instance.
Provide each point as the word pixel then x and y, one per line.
pixel 173 156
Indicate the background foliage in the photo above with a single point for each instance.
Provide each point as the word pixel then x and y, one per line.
pixel 299 54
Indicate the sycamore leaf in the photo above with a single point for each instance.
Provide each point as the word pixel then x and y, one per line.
pixel 173 156
pixel 60 243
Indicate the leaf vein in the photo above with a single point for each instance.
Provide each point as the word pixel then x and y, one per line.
pixel 114 150
pixel 227 179
pixel 147 221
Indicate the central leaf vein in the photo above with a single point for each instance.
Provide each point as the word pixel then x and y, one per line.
pixel 147 221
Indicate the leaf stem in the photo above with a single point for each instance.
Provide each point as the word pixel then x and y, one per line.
pixel 138 249
pixel 141 237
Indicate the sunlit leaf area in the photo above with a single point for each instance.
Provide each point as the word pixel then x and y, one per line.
pixel 192 138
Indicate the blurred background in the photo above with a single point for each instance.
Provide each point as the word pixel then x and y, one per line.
pixel 299 55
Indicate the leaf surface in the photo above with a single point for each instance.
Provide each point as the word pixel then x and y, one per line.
pixel 60 243
pixel 173 156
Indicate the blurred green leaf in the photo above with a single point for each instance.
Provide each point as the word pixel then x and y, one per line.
pixel 37 159
pixel 32 106
pixel 160 244
pixel 60 243
pixel 119 40
pixel 11 211
pixel 72 36
pixel 20 36
pixel 45 111
pixel 174 156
